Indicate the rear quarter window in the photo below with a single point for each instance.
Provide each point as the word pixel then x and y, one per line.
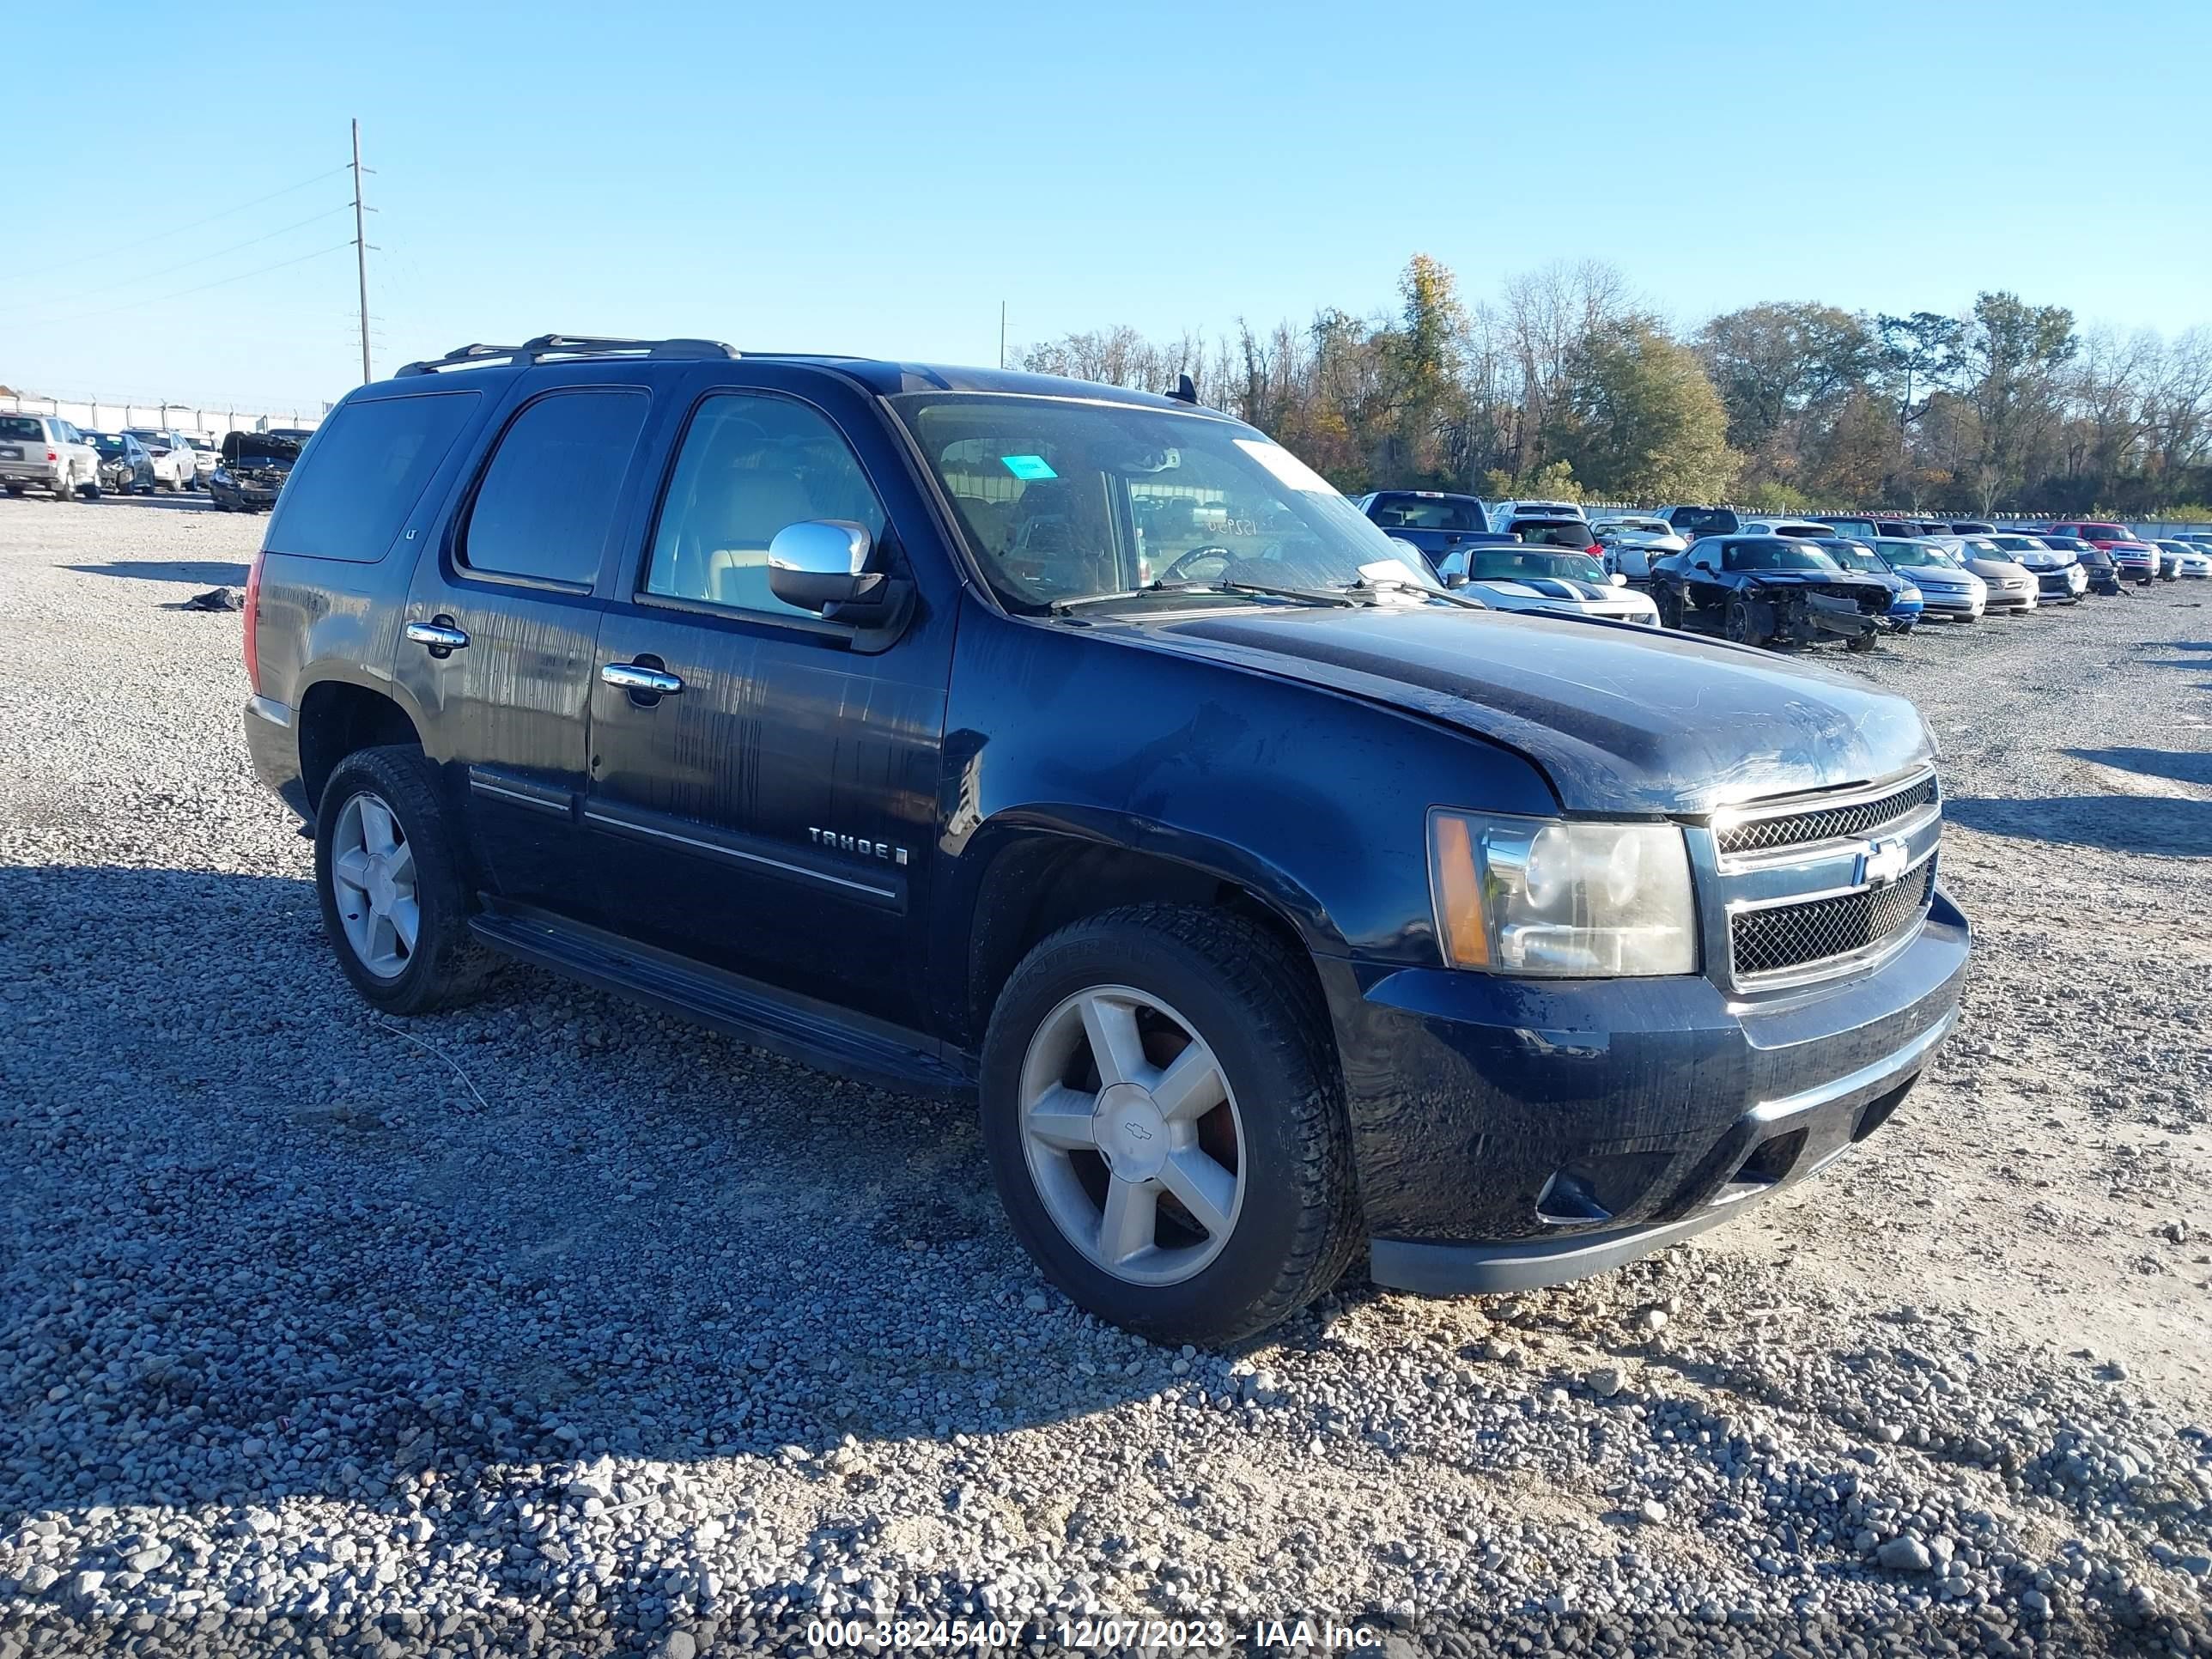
pixel 21 429
pixel 354 485
pixel 548 500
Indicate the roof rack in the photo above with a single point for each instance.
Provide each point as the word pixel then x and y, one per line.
pixel 547 346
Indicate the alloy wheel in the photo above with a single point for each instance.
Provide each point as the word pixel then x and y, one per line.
pixel 1132 1135
pixel 373 879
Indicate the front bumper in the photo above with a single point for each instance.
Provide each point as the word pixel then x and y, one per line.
pixel 1516 1133
pixel 1963 607
pixel 2012 599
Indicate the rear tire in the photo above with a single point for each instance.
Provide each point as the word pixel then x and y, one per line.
pixel 1269 1158
pixel 442 965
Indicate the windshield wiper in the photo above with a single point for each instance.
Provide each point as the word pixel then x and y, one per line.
pixel 1296 595
pixel 1365 585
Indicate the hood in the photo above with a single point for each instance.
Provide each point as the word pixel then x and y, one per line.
pixel 1620 718
pixel 1998 570
pixel 259 449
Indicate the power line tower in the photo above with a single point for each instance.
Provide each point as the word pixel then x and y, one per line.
pixel 361 251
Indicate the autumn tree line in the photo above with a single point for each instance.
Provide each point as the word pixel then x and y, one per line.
pixel 1568 386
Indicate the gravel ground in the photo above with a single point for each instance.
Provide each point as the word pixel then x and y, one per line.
pixel 553 1326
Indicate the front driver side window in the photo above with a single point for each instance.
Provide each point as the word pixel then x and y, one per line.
pixel 751 465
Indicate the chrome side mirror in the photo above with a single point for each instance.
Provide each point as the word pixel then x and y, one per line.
pixel 819 563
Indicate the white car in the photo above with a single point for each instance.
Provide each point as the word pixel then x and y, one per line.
pixel 204 457
pixel 1632 541
pixel 1548 579
pixel 1801 529
pixel 2184 558
pixel 1503 514
pixel 174 465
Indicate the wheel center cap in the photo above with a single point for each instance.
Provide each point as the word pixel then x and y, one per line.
pixel 381 892
pixel 1132 1133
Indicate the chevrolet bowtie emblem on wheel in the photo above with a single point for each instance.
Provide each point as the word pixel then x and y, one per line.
pixel 1136 1132
pixel 1883 864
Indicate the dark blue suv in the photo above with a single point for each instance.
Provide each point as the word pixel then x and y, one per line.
pixel 1082 753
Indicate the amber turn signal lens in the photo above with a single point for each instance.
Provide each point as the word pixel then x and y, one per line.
pixel 1459 892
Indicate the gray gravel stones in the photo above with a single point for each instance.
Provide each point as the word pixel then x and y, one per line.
pixel 551 1326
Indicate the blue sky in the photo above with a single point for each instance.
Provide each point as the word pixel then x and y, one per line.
pixel 877 178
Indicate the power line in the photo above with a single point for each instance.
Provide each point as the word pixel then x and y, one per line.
pixel 179 230
pixel 184 265
pixel 221 282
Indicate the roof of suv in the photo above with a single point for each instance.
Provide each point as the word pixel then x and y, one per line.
pixel 885 379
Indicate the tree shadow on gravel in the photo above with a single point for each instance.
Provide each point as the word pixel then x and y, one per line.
pixel 200 573
pixel 2154 825
pixel 260 1239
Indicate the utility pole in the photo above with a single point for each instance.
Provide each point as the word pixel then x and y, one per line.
pixel 1002 334
pixel 361 252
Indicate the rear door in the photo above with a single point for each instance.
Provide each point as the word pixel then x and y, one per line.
pixel 773 812
pixel 502 626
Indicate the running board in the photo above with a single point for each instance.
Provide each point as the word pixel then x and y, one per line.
pixel 806 1032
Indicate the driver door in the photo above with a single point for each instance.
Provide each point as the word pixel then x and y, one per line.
pixel 1707 557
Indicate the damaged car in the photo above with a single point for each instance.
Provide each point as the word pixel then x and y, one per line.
pixel 252 468
pixel 1771 589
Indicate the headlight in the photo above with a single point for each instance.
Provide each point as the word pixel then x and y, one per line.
pixel 222 475
pixel 1910 594
pixel 1575 901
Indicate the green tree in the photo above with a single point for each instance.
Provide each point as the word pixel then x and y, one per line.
pixel 1917 354
pixel 1644 423
pixel 2012 355
pixel 1776 364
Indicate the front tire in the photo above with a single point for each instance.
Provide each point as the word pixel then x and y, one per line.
pixel 388 873
pixel 1741 627
pixel 1165 1123
pixel 1670 607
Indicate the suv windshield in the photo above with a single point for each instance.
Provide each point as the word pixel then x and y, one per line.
pixel 1454 513
pixel 1508 564
pixel 1774 555
pixel 1060 499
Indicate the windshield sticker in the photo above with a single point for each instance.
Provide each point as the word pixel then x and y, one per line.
pixel 1027 466
pixel 1287 468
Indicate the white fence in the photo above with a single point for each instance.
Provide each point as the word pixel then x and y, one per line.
pixel 191 419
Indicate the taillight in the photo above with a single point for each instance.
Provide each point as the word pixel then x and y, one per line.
pixel 54 455
pixel 252 616
pixel 1595 550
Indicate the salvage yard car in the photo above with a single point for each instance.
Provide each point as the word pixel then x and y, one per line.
pixel 1430 519
pixel 1906 601
pixel 44 452
pixel 251 474
pixel 2059 577
pixel 1273 900
pixel 1546 579
pixel 124 466
pixel 174 467
pixel 2011 587
pixel 1948 591
pixel 1770 589
pixel 1632 541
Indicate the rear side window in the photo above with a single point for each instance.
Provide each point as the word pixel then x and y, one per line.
pixel 356 484
pixel 547 499
pixel 21 429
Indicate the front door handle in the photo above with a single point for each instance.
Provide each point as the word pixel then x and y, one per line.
pixel 637 676
pixel 440 636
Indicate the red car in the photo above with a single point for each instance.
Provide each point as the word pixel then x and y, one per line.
pixel 2135 558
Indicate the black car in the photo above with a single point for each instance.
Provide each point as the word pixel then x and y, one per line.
pixel 251 473
pixel 1772 589
pixel 2104 574
pixel 1273 902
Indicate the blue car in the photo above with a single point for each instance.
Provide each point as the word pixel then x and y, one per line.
pixel 1905 602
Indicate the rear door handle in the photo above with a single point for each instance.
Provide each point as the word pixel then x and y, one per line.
pixel 440 636
pixel 637 676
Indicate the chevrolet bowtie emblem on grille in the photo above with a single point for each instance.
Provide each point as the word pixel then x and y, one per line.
pixel 1882 864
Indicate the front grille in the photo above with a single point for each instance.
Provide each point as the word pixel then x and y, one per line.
pixel 1790 935
pixel 1825 822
